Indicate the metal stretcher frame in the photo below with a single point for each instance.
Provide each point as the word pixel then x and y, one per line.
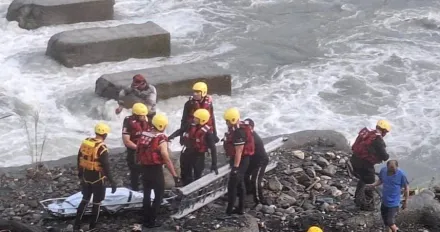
pixel 183 200
pixel 211 186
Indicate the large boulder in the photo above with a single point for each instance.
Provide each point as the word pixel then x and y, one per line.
pixel 170 81
pixel 31 14
pixel 102 44
pixel 320 138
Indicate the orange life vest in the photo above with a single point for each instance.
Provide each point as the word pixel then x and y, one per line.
pixel 249 145
pixel 148 150
pixel 195 137
pixel 362 146
pixel 89 157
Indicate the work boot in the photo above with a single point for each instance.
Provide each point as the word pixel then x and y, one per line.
pixel 237 211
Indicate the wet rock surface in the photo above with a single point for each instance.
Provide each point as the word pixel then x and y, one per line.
pixel 308 187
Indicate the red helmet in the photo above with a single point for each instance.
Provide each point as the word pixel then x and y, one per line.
pixel 139 81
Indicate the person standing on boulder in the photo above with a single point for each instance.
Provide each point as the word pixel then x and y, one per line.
pixel 239 145
pixel 199 100
pixel 197 140
pixel 93 170
pixel 368 149
pixel 393 180
pixel 152 154
pixel 257 167
pixel 132 128
pixel 143 91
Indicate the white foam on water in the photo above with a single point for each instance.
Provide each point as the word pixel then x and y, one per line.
pixel 335 92
pixel 69 108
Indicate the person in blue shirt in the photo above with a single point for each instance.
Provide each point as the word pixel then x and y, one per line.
pixel 393 180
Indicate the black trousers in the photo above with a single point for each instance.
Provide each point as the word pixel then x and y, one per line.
pixel 87 189
pixel 236 185
pixel 367 175
pixel 152 180
pixel 192 165
pixel 134 169
pixel 253 180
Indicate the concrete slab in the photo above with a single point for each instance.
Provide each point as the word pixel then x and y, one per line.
pixel 170 81
pixel 103 44
pixel 32 14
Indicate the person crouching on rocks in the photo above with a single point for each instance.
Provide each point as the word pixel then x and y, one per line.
pixel 368 149
pixel 93 169
pixel 145 93
pixel 152 154
pixel 393 180
pixel 257 167
pixel 239 146
pixel 132 128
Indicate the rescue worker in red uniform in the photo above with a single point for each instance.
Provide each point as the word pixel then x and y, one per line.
pixel 93 171
pixel 132 128
pixel 257 168
pixel 197 140
pixel 151 155
pixel 368 149
pixel 199 100
pixel 239 146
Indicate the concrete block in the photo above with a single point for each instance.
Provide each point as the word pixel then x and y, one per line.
pixel 103 44
pixel 170 81
pixel 32 14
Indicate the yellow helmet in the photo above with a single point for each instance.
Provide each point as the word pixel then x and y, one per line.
pixel 160 121
pixel 314 229
pixel 203 115
pixel 232 115
pixel 383 124
pixel 202 87
pixel 140 109
pixel 102 128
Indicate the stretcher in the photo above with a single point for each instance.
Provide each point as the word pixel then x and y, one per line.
pixel 182 200
pixel 122 200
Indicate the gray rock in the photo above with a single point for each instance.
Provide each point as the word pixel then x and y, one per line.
pixel 169 81
pixel 322 162
pixel 268 209
pixel 330 170
pixel 297 170
pixel 298 154
pixel 32 14
pixel 102 44
pixel 330 155
pixel 310 171
pixel 275 185
pixel 303 179
pixel 285 200
pixel 308 206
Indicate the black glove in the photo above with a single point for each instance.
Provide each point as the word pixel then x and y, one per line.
pixel 113 187
pixel 234 170
pixel 80 175
pixel 177 181
pixel 216 139
pixel 214 168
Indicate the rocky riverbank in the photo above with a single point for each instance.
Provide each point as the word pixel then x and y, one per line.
pixel 310 186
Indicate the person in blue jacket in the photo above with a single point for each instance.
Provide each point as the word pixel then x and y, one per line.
pixel 393 180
